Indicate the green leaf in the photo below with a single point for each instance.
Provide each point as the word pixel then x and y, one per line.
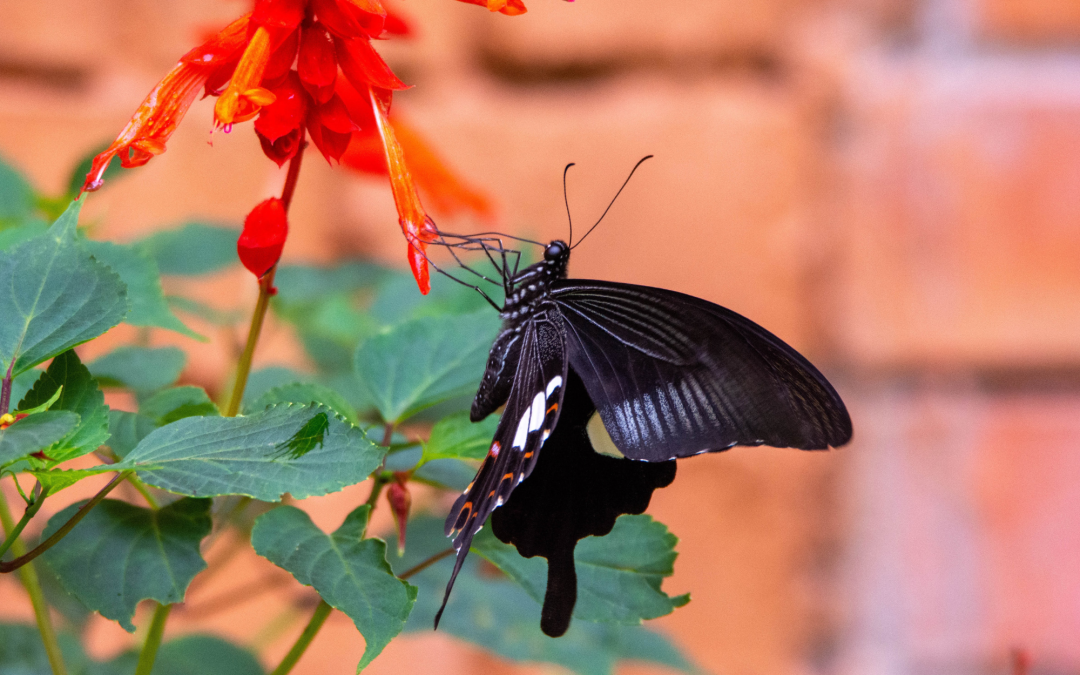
pixel 495 613
pixel 203 311
pixel 263 380
pixel 78 174
pixel 13 236
pixel 420 363
pixel 212 456
pixel 398 300
pixel 169 405
pixel 141 369
pixel 193 248
pixel 348 571
pixel 203 655
pixel 16 195
pixel 53 296
pixel 126 430
pixel 33 433
pixel 619 574
pixel 22 383
pixel 140 274
pixel 306 392
pixel 79 394
pixel 121 554
pixel 457 437
pixel 300 284
pixel 450 474
pixel 22 653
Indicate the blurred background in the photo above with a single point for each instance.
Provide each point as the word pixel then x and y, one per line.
pixel 891 186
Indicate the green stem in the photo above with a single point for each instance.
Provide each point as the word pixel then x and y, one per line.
pixel 266 291
pixel 302 642
pixel 30 512
pixel 145 492
pixel 30 582
pixel 153 640
pixel 24 558
pixel 426 564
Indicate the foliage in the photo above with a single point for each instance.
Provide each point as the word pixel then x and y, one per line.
pixel 386 402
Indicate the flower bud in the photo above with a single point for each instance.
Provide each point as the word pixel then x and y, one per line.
pixel 400 503
pixel 263 238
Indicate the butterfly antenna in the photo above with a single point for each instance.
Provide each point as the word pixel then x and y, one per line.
pixel 569 220
pixel 640 161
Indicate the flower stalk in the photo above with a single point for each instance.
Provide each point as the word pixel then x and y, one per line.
pixel 153 640
pixel 322 611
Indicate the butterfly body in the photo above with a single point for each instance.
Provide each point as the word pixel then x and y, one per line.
pixel 670 376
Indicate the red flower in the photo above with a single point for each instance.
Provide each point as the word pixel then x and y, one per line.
pixel 338 86
pixel 263 238
pixel 7 419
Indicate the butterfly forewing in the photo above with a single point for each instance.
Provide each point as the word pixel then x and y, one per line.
pixel 532 410
pixel 673 375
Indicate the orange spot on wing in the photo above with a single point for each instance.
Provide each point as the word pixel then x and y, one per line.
pixel 554 406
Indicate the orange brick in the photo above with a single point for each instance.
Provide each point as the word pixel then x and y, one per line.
pixel 962 224
pixel 1032 21
pixel 606 32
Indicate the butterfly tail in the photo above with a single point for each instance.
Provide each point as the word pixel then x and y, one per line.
pixel 561 595
pixel 462 546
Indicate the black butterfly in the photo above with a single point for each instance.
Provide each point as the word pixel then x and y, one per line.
pixel 670 375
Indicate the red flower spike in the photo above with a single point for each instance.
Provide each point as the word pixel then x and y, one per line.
pixel 285 14
pixel 317 62
pixel 263 238
pixel 418 228
pixel 400 503
pixel 244 96
pixel 331 144
pixel 369 14
pixel 363 66
pixel 507 7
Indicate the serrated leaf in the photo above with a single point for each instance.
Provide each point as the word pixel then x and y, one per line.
pixel 212 456
pixel 59 479
pixel 16 195
pixel 170 405
pixel 349 572
pixel 53 296
pixel 193 248
pixel 306 392
pixel 79 394
pixel 34 433
pixel 121 554
pixel 140 274
pixel 420 363
pixel 618 575
pixel 126 430
pixel 457 437
pixel 494 612
pixel 141 369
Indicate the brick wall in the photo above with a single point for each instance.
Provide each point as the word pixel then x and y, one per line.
pixel 892 186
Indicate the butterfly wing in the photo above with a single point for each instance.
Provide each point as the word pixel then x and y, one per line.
pixel 532 409
pixel 673 375
pixel 573 493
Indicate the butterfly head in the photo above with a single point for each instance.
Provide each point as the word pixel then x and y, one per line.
pixel 557 253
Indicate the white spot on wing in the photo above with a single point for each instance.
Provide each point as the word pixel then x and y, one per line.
pixel 555 383
pixel 537 409
pixel 522 430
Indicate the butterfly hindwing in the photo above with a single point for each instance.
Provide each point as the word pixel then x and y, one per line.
pixel 532 410
pixel 673 375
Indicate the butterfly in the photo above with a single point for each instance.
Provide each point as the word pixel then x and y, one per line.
pixel 605 385
pixel 667 374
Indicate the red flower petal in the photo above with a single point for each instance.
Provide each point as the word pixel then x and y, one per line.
pixel 363 66
pixel 283 149
pixel 331 144
pixel 334 116
pixel 263 238
pixel 369 14
pixel 281 59
pixel 288 111
pixel 397 25
pixel 344 24
pixel 317 62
